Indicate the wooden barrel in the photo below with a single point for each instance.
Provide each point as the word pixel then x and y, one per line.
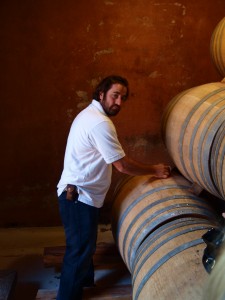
pixel 189 126
pixel 215 285
pixel 217 160
pixel 217 47
pixel 168 264
pixel 143 204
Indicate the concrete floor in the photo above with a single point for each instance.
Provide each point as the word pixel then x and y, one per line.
pixel 21 249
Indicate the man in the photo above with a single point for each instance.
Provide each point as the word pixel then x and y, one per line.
pixel 92 148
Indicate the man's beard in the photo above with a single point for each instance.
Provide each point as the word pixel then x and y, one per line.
pixel 114 110
pixel 111 111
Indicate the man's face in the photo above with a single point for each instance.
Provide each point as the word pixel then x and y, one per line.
pixel 112 100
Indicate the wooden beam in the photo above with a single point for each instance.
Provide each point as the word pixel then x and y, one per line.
pixel 106 253
pixel 120 292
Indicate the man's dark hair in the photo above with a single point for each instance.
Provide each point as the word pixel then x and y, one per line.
pixel 107 83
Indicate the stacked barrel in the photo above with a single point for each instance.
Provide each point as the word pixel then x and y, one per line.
pixel 158 224
pixel 217 47
pixel 193 130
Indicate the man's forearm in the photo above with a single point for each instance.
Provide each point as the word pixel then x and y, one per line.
pixel 131 167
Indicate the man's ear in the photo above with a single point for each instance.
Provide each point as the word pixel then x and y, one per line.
pixel 101 96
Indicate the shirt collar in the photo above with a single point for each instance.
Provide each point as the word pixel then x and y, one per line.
pixel 98 105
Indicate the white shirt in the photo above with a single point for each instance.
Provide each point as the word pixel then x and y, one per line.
pixel 92 147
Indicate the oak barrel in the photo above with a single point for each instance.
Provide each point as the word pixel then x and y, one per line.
pixel 168 262
pixel 217 47
pixel 217 160
pixel 144 204
pixel 189 125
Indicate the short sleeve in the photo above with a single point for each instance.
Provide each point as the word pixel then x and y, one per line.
pixel 104 138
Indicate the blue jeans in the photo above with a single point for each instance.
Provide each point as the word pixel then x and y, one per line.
pixel 80 223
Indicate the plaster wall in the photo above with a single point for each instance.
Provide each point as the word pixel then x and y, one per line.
pixel 53 53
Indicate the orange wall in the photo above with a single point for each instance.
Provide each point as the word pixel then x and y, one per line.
pixel 52 54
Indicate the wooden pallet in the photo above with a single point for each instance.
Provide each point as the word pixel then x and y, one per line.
pixel 106 253
pixel 106 257
pixel 7 283
pixel 123 292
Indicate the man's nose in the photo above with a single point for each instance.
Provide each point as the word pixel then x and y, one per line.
pixel 119 100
